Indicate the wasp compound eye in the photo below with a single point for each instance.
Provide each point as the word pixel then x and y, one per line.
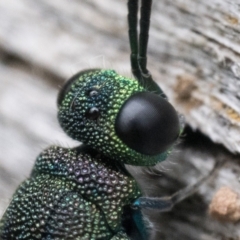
pixel 147 123
pixel 93 113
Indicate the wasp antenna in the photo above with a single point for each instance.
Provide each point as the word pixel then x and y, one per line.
pixel 139 46
pixel 143 45
pixel 133 37
pixel 165 204
pixel 143 37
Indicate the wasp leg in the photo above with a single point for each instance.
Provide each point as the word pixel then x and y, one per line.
pixel 165 204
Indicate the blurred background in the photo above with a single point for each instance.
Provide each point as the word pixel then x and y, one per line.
pixel 194 55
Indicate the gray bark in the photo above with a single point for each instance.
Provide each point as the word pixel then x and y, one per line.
pixel 194 54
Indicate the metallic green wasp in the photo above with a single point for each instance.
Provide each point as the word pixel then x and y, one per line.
pixel 86 192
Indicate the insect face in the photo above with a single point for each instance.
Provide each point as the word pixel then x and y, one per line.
pixel 116 116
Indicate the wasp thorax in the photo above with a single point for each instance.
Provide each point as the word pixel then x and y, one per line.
pixel 116 116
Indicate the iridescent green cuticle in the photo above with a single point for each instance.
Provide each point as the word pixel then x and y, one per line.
pixel 70 194
pixel 81 189
pixel 113 90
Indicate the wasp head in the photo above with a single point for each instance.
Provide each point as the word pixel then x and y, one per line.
pixel 118 117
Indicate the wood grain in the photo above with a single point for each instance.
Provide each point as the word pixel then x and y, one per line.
pixel 194 54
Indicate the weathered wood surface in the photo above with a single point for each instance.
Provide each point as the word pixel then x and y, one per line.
pixel 194 54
